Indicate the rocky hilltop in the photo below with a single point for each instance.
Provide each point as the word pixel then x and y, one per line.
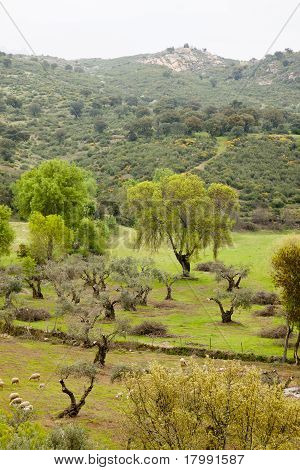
pixel 185 58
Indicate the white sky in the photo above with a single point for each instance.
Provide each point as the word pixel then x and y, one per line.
pixel 237 29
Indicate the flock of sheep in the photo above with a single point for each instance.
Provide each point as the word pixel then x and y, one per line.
pixel 14 398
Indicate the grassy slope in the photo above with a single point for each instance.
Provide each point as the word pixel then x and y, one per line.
pixel 102 414
pixel 191 317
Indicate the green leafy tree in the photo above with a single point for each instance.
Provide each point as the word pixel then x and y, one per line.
pixel 49 237
pixel 35 109
pixel 6 232
pixel 175 209
pixel 286 275
pixel 100 125
pixel 91 236
pixel 76 108
pixel 55 187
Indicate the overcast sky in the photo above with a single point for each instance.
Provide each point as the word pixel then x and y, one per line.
pixel 71 29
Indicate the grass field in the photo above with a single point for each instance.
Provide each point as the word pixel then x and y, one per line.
pixel 191 319
pixel 103 413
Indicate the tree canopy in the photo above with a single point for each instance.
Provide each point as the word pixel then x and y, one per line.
pixel 6 232
pixel 55 187
pixel 178 209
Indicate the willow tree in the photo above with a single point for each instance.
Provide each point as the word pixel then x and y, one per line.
pixel 224 209
pixel 286 276
pixel 175 209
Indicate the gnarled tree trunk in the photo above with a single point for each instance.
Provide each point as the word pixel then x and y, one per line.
pixel 296 348
pixel 286 342
pixel 184 260
pixel 103 348
pixel 225 314
pixel 169 293
pixel 74 408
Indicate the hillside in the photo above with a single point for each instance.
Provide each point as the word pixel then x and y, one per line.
pixel 123 118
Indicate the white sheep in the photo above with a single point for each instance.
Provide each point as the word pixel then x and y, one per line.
pixel 119 395
pixel 15 380
pixel 24 404
pixel 13 395
pixel 16 401
pixel 1 384
pixel 35 376
pixel 42 385
pixel 28 408
pixel 183 362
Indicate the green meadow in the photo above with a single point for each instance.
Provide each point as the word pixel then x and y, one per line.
pixel 191 319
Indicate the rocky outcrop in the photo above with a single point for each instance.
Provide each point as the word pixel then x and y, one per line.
pixel 184 58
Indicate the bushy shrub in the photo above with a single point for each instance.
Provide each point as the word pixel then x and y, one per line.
pixel 124 370
pixel 32 314
pixel 209 266
pixel 205 408
pixel 265 298
pixel 268 311
pixel 149 328
pixel 69 437
pixel 275 332
pixel 22 251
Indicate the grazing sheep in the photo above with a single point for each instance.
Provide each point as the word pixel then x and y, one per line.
pixel 183 362
pixel 42 385
pixel 15 380
pixel 13 395
pixel 24 404
pixel 119 395
pixel 35 376
pixel 2 384
pixel 28 408
pixel 16 401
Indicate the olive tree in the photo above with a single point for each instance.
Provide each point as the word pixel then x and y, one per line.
pixel 78 371
pixel 33 275
pixel 230 302
pixel 84 326
pixel 64 277
pixel 168 279
pixel 95 270
pixel 136 275
pixel 233 275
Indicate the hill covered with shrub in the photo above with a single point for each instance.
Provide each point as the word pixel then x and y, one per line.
pixel 124 118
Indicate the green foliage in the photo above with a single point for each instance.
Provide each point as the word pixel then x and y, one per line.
pixel 263 169
pixel 179 210
pixel 68 437
pixel 206 408
pixel 6 232
pixel 286 275
pixel 55 187
pixel 49 237
pixel 91 236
